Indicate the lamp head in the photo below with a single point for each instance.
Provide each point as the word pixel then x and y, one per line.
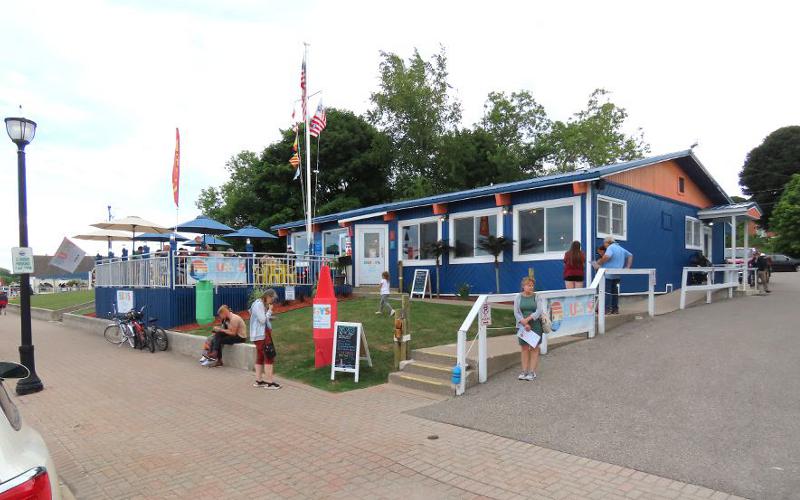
pixel 20 130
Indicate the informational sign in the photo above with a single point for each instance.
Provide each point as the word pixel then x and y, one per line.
pixel 348 342
pixel 68 256
pixel 421 283
pixel 485 316
pixel 571 315
pixel 22 260
pixel 124 301
pixel 322 316
pixel 289 293
pixel 218 269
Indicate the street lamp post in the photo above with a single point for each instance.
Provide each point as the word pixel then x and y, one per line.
pixel 21 131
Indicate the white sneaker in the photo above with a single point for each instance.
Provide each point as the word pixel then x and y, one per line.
pixel 202 358
pixel 530 376
pixel 522 376
pixel 377 312
pixel 392 313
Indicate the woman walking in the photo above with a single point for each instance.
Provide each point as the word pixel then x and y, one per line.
pixel 573 266
pixel 261 336
pixel 528 319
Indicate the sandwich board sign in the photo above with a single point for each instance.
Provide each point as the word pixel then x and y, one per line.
pixel 348 340
pixel 421 283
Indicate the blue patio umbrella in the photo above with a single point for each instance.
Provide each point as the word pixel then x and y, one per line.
pixel 250 232
pixel 160 237
pixel 209 240
pixel 204 225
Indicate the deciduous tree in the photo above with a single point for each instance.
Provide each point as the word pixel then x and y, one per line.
pixel 786 219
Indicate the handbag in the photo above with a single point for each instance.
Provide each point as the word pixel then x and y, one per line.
pixel 547 323
pixel 269 350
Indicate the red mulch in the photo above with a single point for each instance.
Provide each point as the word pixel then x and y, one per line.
pixel 276 309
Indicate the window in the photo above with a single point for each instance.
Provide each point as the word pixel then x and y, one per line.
pixel 612 218
pixel 468 229
pixel 414 237
pixel 334 242
pixel 694 234
pixel 681 185
pixel 299 243
pixel 545 230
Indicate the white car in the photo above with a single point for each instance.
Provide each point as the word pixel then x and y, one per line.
pixel 26 469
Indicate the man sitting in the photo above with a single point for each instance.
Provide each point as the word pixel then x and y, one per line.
pixel 232 331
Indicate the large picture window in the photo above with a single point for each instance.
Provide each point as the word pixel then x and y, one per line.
pixel 545 230
pixel 694 234
pixel 468 229
pixel 415 236
pixel 612 218
pixel 299 243
pixel 334 242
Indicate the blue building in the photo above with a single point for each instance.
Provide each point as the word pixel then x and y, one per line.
pixel 663 209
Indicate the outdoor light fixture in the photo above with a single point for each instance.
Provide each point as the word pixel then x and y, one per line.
pixel 506 210
pixel 21 132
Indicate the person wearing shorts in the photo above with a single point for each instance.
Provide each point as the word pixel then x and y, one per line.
pixel 573 266
pixel 261 336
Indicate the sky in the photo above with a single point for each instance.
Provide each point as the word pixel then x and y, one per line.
pixel 109 81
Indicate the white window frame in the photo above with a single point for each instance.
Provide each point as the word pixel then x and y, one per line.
pixel 498 212
pixel 693 221
pixel 574 201
pixel 330 231
pixel 415 222
pixel 600 234
pixel 296 236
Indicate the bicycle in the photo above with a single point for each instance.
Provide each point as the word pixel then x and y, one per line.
pixel 152 336
pixel 120 331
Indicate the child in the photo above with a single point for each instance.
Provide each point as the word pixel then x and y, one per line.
pixel 3 302
pixel 385 295
pixel 528 318
pixel 261 336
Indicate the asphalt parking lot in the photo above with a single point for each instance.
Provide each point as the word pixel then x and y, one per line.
pixel 709 395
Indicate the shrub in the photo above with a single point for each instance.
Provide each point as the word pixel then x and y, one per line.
pixel 463 290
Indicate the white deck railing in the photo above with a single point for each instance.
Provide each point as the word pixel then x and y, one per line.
pixel 730 281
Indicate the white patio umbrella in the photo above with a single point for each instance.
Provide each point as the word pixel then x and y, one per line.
pixel 104 235
pixel 133 223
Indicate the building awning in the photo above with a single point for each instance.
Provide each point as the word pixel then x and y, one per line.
pixel 362 217
pixel 748 209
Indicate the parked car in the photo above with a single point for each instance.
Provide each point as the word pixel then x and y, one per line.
pixel 26 469
pixel 784 263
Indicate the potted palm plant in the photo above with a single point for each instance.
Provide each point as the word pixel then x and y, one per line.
pixel 496 246
pixel 437 249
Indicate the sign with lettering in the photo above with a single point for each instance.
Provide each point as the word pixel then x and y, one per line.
pixel 289 292
pixel 322 316
pixel 68 256
pixel 124 301
pixel 485 316
pixel 22 260
pixel 421 283
pixel 349 340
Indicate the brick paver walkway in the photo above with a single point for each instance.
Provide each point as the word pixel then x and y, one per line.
pixel 127 424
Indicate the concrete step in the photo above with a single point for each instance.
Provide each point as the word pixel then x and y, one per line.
pixel 430 356
pixel 422 383
pixel 436 371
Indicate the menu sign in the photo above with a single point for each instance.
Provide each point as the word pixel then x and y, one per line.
pixel 421 283
pixel 347 346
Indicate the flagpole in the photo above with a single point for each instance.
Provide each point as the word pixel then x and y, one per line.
pixel 309 235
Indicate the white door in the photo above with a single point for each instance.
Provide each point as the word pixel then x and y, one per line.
pixel 707 239
pixel 372 254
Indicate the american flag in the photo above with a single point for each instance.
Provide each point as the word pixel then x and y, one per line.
pixel 303 87
pixel 318 122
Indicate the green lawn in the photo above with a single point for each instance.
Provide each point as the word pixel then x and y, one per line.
pixel 431 325
pixel 55 301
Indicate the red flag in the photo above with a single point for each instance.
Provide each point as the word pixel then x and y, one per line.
pixel 176 167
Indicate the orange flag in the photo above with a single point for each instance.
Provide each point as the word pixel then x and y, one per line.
pixel 176 167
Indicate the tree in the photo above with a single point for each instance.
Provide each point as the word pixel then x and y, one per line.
pixel 413 108
pixel 594 137
pixel 354 164
pixel 437 249
pixel 786 219
pixel 496 246
pixel 769 167
pixel 517 124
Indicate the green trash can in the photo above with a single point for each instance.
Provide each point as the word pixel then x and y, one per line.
pixel 204 302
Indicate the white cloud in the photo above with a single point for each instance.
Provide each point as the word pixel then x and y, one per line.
pixel 109 81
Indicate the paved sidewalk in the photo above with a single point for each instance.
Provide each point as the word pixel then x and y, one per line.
pixel 129 424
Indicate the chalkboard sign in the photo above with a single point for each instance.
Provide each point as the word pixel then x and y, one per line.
pixel 348 342
pixel 421 283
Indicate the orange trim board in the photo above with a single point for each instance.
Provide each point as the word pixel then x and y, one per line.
pixel 663 179
pixel 439 208
pixel 580 187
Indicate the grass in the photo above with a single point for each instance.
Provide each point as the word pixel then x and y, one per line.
pixel 56 301
pixel 431 325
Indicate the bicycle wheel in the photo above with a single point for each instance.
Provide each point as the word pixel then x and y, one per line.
pixel 129 335
pixel 150 339
pixel 161 339
pixel 113 334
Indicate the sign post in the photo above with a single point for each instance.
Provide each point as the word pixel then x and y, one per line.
pixel 348 341
pixel 421 284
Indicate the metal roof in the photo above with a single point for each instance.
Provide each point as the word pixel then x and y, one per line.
pixel 732 209
pixel 686 159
